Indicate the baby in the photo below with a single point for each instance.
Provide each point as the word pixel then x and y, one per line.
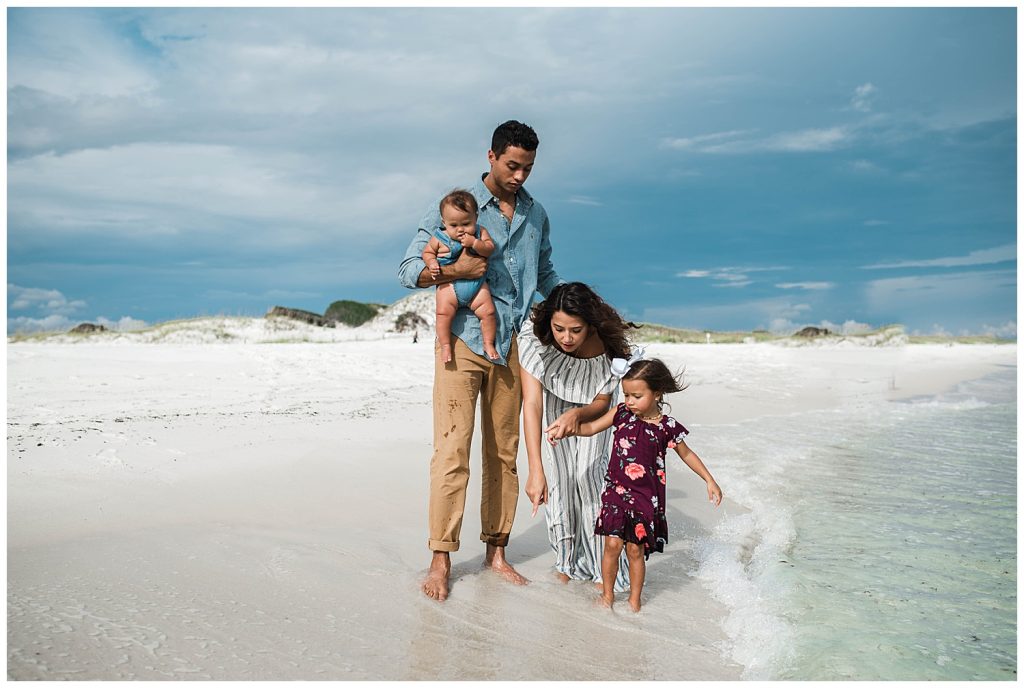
pixel 459 213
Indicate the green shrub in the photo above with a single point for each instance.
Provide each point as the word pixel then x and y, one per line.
pixel 351 313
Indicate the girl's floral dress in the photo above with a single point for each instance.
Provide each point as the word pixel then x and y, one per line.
pixel 633 501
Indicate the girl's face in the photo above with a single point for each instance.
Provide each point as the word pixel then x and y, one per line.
pixel 458 223
pixel 569 331
pixel 639 398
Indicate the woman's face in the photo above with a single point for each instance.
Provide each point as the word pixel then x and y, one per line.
pixel 569 331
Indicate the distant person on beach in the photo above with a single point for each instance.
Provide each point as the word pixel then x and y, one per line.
pixel 633 501
pixel 519 266
pixel 566 353
pixel 460 231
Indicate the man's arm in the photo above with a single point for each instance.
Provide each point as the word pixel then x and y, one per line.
pixel 413 272
pixel 547 278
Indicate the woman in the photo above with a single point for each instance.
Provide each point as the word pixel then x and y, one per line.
pixel 567 378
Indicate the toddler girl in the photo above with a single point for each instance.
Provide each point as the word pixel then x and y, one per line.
pixel 633 501
pixel 459 213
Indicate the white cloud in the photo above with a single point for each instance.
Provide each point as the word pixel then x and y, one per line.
pixel 950 292
pixel 699 142
pixel 808 286
pixel 737 142
pixel 862 97
pixel 46 300
pixel 123 324
pixel 734 277
pixel 49 323
pixel 1007 330
pixel 987 256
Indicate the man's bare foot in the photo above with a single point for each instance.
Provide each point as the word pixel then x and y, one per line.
pixel 634 603
pixel 562 578
pixel 435 585
pixel 491 352
pixel 494 559
pixel 446 353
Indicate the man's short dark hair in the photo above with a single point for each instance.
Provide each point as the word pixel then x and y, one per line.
pixel 513 133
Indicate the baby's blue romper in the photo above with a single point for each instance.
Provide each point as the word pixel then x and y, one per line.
pixel 465 289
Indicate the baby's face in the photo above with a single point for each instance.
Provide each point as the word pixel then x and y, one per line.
pixel 458 222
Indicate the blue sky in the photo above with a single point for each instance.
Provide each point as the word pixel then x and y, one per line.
pixel 703 168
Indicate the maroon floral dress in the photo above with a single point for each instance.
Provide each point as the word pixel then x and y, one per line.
pixel 633 501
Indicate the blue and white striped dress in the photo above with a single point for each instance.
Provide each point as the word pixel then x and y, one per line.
pixel 575 467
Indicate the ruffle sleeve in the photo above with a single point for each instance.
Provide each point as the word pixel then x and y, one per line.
pixel 576 380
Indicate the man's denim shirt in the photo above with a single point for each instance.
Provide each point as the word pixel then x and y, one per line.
pixel 519 266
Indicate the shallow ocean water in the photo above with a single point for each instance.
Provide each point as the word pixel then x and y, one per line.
pixel 881 542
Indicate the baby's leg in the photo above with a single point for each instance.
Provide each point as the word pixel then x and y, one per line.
pixel 446 303
pixel 610 568
pixel 637 572
pixel 483 306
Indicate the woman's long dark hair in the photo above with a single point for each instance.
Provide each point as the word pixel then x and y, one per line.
pixel 580 301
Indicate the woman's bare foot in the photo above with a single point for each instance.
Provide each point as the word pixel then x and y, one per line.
pixel 561 577
pixel 634 603
pixel 435 585
pixel 494 559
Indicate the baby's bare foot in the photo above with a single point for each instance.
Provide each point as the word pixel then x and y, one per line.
pixel 491 352
pixel 446 353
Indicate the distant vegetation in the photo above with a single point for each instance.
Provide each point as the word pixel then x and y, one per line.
pixel 352 313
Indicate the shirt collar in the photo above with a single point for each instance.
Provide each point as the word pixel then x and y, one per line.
pixel 484 196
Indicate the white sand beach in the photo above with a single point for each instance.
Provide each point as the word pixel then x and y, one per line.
pixel 257 511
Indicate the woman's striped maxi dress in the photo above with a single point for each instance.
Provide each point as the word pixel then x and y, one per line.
pixel 575 467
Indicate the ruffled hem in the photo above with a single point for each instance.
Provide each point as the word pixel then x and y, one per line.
pixel 624 525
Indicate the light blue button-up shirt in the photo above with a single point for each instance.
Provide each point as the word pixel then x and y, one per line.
pixel 519 267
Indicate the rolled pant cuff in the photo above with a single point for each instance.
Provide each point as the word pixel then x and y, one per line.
pixel 442 546
pixel 496 540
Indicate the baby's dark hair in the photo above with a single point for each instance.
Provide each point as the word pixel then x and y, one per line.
pixel 657 376
pixel 461 199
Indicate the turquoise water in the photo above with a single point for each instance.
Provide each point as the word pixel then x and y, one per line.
pixel 881 541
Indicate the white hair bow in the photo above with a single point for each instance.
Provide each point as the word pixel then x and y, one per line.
pixel 620 366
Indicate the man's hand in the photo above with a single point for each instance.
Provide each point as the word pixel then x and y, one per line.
pixel 468 266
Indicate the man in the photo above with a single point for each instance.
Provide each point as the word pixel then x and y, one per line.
pixel 519 266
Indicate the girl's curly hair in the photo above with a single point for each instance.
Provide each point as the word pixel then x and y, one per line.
pixel 580 301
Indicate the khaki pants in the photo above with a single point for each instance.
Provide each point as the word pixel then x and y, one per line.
pixel 456 387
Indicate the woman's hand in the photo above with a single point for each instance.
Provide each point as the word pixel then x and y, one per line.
pixel 566 425
pixel 537 490
pixel 714 492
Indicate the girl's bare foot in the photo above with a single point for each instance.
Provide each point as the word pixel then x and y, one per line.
pixel 494 559
pixel 606 601
pixel 634 603
pixel 435 585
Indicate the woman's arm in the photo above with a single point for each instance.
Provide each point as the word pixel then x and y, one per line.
pixel 569 422
pixel 533 410
pixel 697 466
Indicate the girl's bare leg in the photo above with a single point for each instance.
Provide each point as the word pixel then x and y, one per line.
pixel 610 568
pixel 637 572
pixel 446 303
pixel 483 306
